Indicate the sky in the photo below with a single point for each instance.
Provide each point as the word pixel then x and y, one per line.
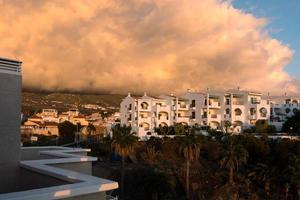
pixel 156 46
pixel 284 23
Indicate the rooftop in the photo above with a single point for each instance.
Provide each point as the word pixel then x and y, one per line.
pixel 60 166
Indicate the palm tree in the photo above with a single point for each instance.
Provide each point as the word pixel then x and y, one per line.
pixel 189 146
pixel 156 184
pixel 262 173
pixel 292 172
pixel 234 156
pixel 123 142
pixel 151 155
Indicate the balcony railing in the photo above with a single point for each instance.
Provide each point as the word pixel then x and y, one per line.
pixel 255 101
pixel 227 116
pixel 214 116
pixel 239 103
pixel 252 117
pixel 108 197
pixel 214 104
pixel 180 106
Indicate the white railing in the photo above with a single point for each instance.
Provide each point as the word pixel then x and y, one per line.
pixel 108 197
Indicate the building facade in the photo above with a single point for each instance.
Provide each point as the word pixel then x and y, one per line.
pixel 283 109
pixel 146 113
pixel 241 108
pixel 10 120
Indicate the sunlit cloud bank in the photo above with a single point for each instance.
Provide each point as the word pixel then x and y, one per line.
pixel 142 45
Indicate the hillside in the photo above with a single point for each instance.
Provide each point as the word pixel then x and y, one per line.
pixel 35 101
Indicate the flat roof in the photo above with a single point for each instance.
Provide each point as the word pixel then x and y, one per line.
pixel 10 60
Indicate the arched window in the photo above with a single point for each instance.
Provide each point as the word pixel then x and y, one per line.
pixel 163 115
pixel 144 105
pixel 287 110
pixel 238 112
pixel 295 110
pixel 145 125
pixel 263 112
pixel 163 124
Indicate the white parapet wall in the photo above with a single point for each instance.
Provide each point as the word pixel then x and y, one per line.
pixel 67 164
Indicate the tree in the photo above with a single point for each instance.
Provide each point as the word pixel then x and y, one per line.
pixel 90 128
pixel 262 173
pixel 179 129
pixel 234 155
pixel 123 142
pixel 292 172
pixel 292 124
pixel 262 126
pixel 148 184
pixel 226 125
pixel 189 146
pixel 151 155
pixel 67 131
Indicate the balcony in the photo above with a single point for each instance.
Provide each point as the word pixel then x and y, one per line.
pixel 214 104
pixel 237 102
pixel 215 116
pixel 238 118
pixel 182 107
pixel 227 116
pixel 255 102
pixel 163 118
pixel 159 108
pixel 252 117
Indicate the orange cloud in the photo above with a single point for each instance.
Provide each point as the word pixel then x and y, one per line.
pixel 142 45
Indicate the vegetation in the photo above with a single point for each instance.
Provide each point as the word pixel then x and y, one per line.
pixel 123 143
pixel 217 166
pixel 262 126
pixel 33 102
pixel 234 155
pixel 189 146
pixel 292 124
pixel 67 132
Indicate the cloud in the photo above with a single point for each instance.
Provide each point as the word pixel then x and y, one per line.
pixel 142 45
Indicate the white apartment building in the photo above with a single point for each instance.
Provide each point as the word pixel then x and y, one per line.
pixel 146 113
pixel 49 115
pixel 281 110
pixel 241 108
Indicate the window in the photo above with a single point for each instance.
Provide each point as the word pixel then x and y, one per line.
pixel 238 112
pixel 144 105
pixel 227 101
pixel 287 110
pixel 193 103
pixel 193 115
pixel 263 112
pixel 295 110
pixel 252 111
pixel 227 111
